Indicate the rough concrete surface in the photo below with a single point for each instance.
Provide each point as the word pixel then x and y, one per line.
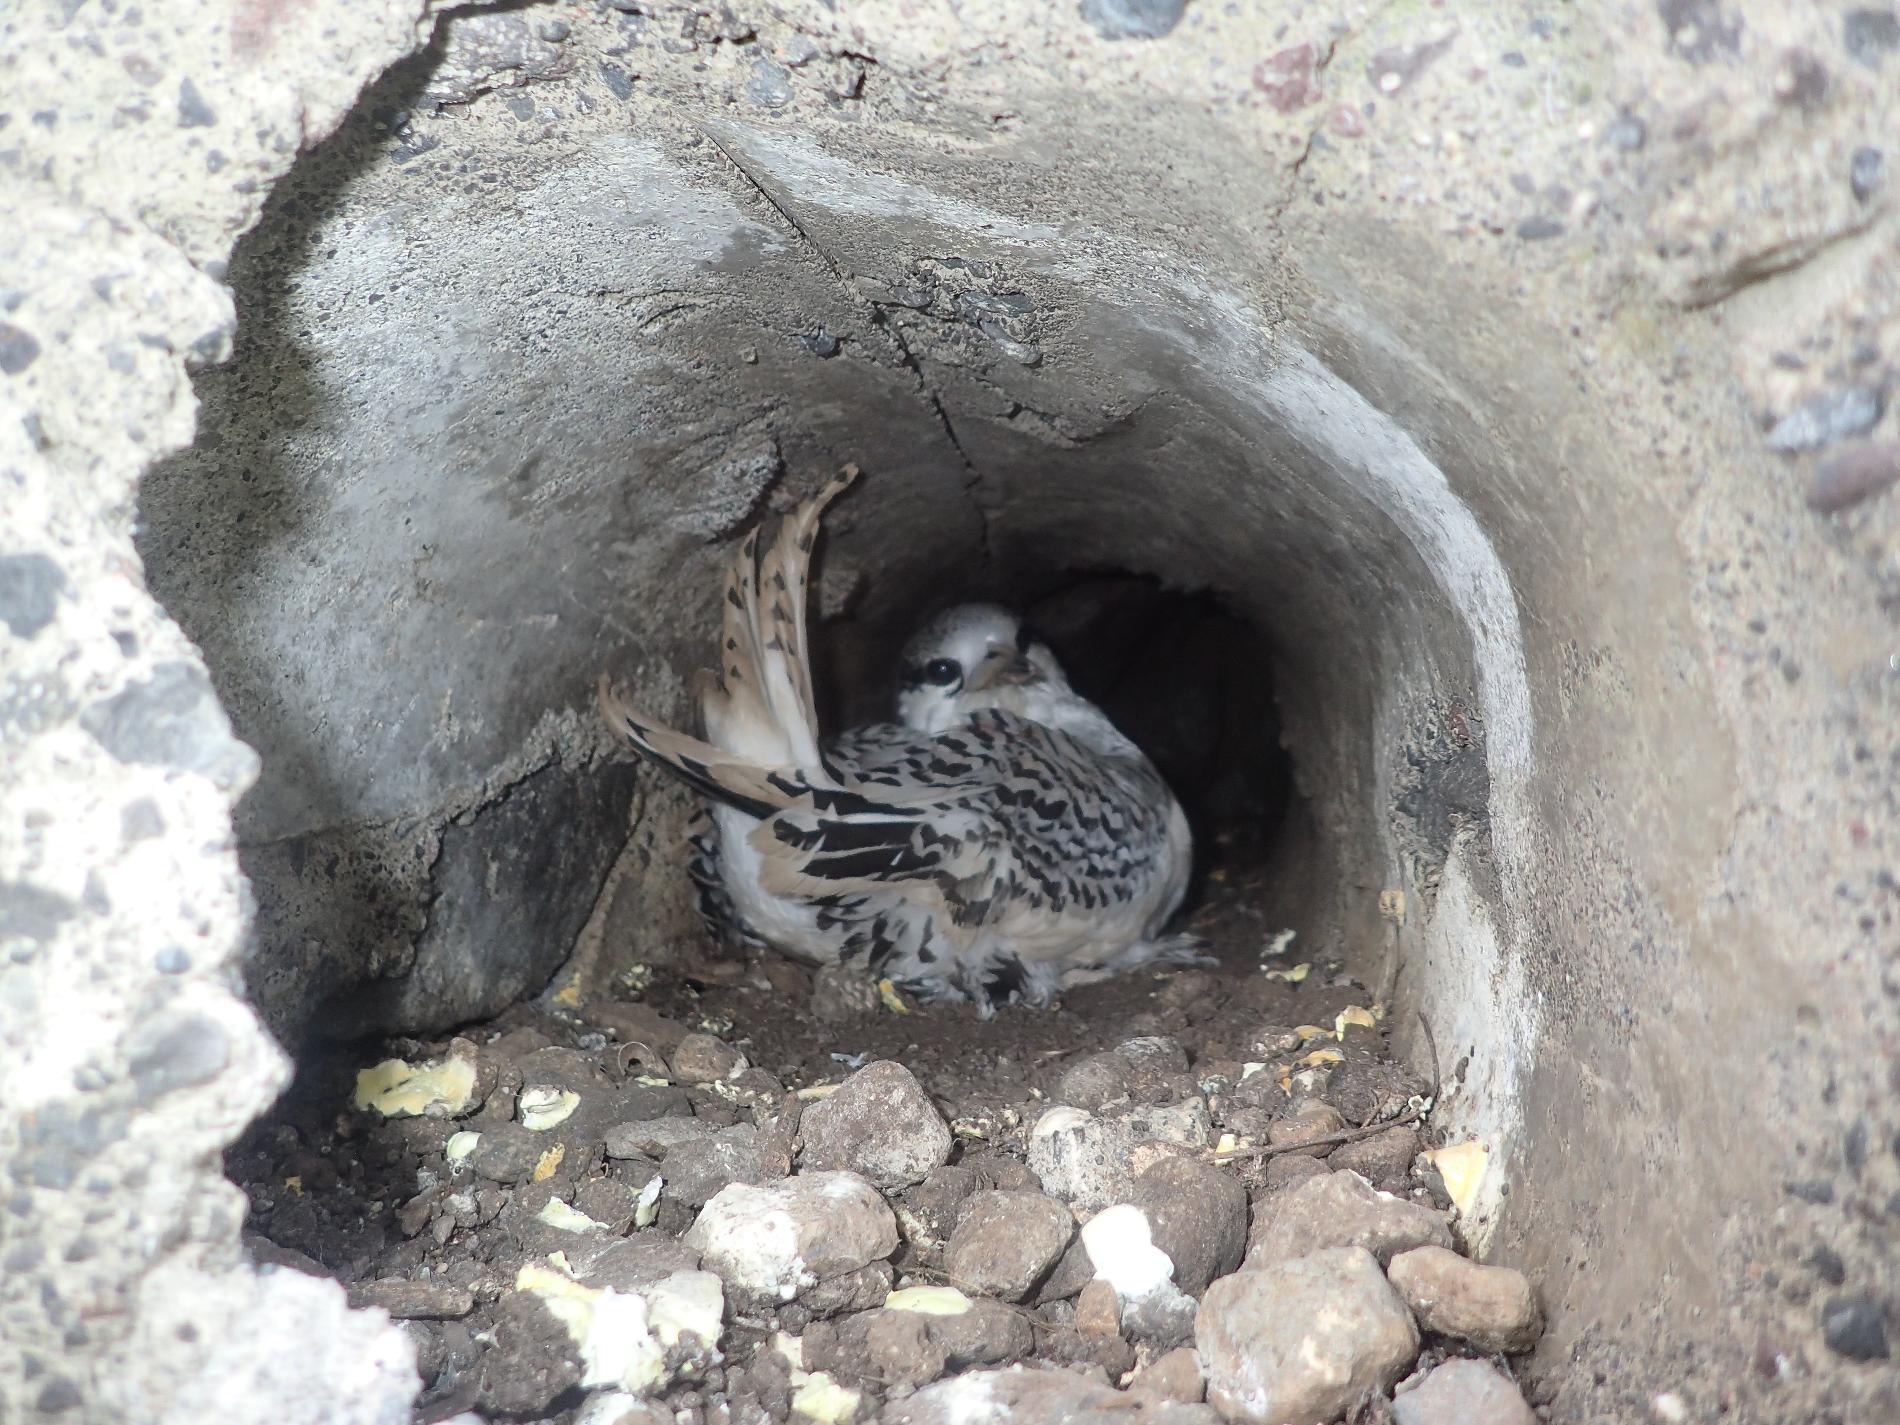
pixel 1490 359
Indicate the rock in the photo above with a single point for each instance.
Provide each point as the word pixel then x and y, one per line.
pixel 928 1212
pixel 900 1350
pixel 635 1024
pixel 1289 1170
pixel 1494 1308
pixel 1026 1395
pixel 879 1123
pixel 770 1244
pixel 1827 417
pixel 999 1172
pixel 646 1101
pixel 1305 1123
pixel 508 1153
pixel 1069 1275
pixel 1852 1327
pixel 632 1265
pixel 696 1170
pixel 1197 1214
pixel 988 1334
pixel 1146 1070
pixel 1857 473
pixel 702 1059
pixel 1093 1337
pixel 1463 1392
pixel 1080 1158
pixel 852 1291
pixel 1187 1123
pixel 1006 1242
pixel 1343 1210
pixel 1098 1311
pixel 533 1359
pixel 1384 1159
pixel 1303 1340
pixel 1173 1375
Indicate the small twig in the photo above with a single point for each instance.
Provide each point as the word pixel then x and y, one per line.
pixel 1349 1135
pixel 1431 1043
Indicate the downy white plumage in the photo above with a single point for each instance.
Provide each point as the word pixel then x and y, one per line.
pixel 1003 841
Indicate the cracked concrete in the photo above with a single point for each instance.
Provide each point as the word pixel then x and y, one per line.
pixel 1451 362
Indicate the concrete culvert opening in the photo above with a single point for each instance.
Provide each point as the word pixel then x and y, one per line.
pixel 1381 570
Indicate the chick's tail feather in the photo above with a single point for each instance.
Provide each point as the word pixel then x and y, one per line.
pixel 761 751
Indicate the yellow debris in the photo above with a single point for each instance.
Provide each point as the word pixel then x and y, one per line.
pixel 543 1108
pixel 1353 1016
pixel 822 1400
pixel 460 1145
pixel 294 1185
pixel 1293 976
pixel 646 1207
pixel 558 1214
pixel 1462 1166
pixel 396 1088
pixel 569 995
pixel 1323 1056
pixel 1312 1031
pixel 928 1300
pixel 549 1163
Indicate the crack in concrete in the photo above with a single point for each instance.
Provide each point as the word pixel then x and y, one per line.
pixel 880 320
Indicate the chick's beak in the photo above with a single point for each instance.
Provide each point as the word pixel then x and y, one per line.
pixel 1003 669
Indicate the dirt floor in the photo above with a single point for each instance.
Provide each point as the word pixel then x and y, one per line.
pixel 701 1079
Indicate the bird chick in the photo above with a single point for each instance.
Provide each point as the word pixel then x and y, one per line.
pixel 1002 841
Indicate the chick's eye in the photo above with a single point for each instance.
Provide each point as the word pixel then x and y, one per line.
pixel 942 671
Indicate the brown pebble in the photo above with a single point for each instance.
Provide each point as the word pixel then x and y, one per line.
pixel 1098 1311
pixel 702 1059
pixel 1856 473
pixel 1494 1308
pixel 1174 1375
pixel 1307 1121
pixel 1384 1159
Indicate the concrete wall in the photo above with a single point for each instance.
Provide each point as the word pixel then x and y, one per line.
pixel 1448 347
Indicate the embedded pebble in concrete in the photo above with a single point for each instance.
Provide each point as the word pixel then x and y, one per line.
pixel 1846 477
pixel 1303 1340
pixel 879 1123
pixel 1493 1308
pixel 1343 1210
pixel 1827 417
pixel 1463 1392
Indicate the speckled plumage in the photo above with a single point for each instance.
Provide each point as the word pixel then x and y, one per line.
pixel 1004 841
